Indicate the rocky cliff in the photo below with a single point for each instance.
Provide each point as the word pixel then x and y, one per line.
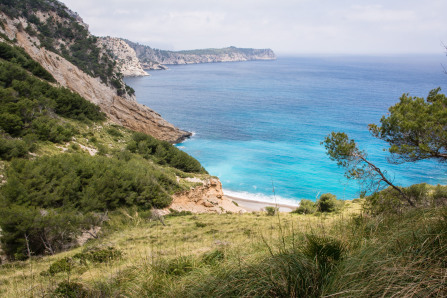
pixel 156 59
pixel 127 60
pixel 78 61
pixel 207 198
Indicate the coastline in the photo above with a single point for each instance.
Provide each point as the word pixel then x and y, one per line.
pixel 252 205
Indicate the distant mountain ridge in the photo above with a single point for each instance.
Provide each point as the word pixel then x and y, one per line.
pixel 151 58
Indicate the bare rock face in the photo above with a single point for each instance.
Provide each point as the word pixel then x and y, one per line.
pixel 125 56
pixel 207 198
pixel 121 110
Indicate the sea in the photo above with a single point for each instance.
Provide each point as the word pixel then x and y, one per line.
pixel 258 125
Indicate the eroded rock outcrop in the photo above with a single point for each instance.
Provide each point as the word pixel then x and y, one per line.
pixel 125 56
pixel 123 110
pixel 207 198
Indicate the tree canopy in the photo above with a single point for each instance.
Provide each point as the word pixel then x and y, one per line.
pixel 415 128
pixel 347 155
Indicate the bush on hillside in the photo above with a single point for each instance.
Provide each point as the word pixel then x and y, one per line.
pixel 329 203
pixel 271 211
pixel 13 148
pixel 29 231
pixel 163 153
pixel 46 202
pixel 28 106
pixel 87 183
pixel 306 207
pixel 18 56
pixel 423 195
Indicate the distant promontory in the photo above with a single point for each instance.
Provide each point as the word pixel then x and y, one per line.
pixel 150 58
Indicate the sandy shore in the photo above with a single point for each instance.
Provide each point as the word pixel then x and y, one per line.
pixel 250 205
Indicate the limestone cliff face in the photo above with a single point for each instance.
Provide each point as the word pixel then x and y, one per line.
pixel 207 198
pixel 156 59
pixel 125 56
pixel 123 110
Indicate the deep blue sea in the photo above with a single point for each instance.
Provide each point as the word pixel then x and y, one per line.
pixel 258 125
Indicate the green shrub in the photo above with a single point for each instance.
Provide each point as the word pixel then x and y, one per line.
pixel 390 201
pixel 328 203
pixel 49 198
pixel 99 255
pixel 163 153
pixel 178 213
pixel 62 265
pixel 271 211
pixel 200 224
pixel 12 148
pixel 418 193
pixel 48 129
pixel 28 106
pixel 325 251
pixel 102 149
pixel 440 195
pixel 89 183
pixel 114 132
pixel 68 289
pixel 306 207
pixel 75 147
pixel 41 231
pixel 18 56
pixel 11 123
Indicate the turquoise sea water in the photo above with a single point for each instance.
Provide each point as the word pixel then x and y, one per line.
pixel 259 124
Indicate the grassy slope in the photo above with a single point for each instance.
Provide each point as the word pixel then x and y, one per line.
pixel 249 255
pixel 150 251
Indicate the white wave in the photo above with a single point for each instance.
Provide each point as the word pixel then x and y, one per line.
pixel 261 197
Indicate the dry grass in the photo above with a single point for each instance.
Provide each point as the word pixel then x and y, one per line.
pixel 228 255
pixel 144 243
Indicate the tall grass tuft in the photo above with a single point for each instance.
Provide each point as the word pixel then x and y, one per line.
pixel 406 256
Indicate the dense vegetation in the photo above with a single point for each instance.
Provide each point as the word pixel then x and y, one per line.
pixel 18 56
pixel 48 201
pixel 61 33
pixel 30 106
pixel 163 153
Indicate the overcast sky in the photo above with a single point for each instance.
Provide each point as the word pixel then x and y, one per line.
pixel 286 26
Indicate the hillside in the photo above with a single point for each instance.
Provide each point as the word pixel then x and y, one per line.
pixel 350 254
pixel 125 56
pixel 64 162
pixel 156 59
pixel 57 38
pixel 64 166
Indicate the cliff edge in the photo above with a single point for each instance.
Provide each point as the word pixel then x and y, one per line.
pixel 78 61
pixel 125 56
pixel 157 59
pixel 207 198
